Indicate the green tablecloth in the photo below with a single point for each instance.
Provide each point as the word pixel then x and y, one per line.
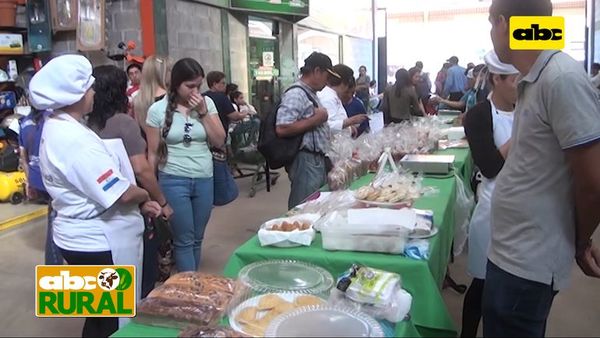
pixel 423 279
pixel 404 329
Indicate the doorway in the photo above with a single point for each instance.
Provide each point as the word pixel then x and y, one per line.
pixel 264 64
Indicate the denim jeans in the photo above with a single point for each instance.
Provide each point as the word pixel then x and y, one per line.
pixel 513 306
pixel 192 202
pixel 307 174
pixel 52 254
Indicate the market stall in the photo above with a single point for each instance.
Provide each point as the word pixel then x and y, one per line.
pixel 421 276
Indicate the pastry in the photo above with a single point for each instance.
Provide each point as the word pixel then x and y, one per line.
pixel 289 227
pixel 247 315
pixel 201 332
pixel 255 329
pixel 158 311
pixel 283 307
pixel 268 302
pixel 307 300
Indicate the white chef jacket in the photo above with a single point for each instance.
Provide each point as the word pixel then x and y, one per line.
pixel 337 114
pixel 84 180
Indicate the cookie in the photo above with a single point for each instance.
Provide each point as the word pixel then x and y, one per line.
pixel 307 300
pixel 283 308
pixel 269 302
pixel 255 329
pixel 247 315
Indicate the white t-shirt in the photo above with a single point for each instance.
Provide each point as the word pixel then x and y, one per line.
pixel 335 109
pixel 84 180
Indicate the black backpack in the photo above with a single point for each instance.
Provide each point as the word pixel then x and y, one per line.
pixel 279 151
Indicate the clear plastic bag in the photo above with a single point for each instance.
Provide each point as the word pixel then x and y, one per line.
pixel 395 311
pixel 188 298
pixel 218 332
pixel 462 214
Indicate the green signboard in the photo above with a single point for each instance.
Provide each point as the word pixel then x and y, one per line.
pixel 285 7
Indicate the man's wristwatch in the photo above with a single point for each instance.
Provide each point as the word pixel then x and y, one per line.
pixel 162 206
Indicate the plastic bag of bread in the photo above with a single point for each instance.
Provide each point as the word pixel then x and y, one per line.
pixel 176 313
pixel 185 293
pixel 219 332
pixel 203 281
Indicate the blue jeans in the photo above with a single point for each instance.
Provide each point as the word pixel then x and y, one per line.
pixel 52 255
pixel 513 306
pixel 192 202
pixel 307 174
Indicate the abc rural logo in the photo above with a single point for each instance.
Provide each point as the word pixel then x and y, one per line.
pixel 537 32
pixel 85 291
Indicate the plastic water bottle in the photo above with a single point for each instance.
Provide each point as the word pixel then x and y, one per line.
pixel 12 70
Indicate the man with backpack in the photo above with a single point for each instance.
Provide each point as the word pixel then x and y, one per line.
pixel 300 115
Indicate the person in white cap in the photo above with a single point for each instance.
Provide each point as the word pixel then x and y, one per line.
pixel 488 127
pixel 98 218
pixel 475 84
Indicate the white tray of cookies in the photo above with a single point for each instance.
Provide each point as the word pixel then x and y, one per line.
pixel 253 316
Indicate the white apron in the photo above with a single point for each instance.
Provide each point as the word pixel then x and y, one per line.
pixel 123 226
pixel 480 226
pixel 125 230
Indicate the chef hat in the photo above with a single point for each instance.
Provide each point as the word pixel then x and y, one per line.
pixel 61 82
pixel 495 66
pixel 470 74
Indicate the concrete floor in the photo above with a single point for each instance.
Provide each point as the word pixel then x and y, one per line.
pixel 575 312
pixel 9 211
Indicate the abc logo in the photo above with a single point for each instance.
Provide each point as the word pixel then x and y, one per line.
pixel 537 33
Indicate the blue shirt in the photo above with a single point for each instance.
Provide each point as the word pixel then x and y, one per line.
pixel 30 135
pixel 456 80
pixel 357 107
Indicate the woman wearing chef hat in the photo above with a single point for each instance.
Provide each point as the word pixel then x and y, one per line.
pixel 94 194
pixel 488 127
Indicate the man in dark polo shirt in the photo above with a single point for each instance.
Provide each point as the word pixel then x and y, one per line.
pixel 545 204
pixel 217 86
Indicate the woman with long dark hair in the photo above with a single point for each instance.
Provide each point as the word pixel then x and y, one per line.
pixel 400 101
pixel 181 129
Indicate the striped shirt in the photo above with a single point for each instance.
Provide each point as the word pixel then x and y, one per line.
pixel 296 106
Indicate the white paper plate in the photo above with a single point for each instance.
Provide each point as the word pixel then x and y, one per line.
pixel 324 321
pixel 433 232
pixel 284 236
pixel 290 297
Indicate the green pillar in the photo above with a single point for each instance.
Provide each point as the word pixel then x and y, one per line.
pixel 225 39
pixel 160 27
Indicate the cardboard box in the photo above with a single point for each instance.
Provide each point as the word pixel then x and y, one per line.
pixel 11 43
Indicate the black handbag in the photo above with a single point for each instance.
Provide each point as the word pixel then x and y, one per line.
pixel 225 188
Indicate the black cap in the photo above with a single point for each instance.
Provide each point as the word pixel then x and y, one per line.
pixel 453 59
pixel 320 60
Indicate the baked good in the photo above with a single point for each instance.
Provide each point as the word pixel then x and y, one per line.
pixel 307 300
pixel 171 313
pixel 269 302
pixel 289 226
pixel 202 281
pixel 247 315
pixel 185 293
pixel 201 332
